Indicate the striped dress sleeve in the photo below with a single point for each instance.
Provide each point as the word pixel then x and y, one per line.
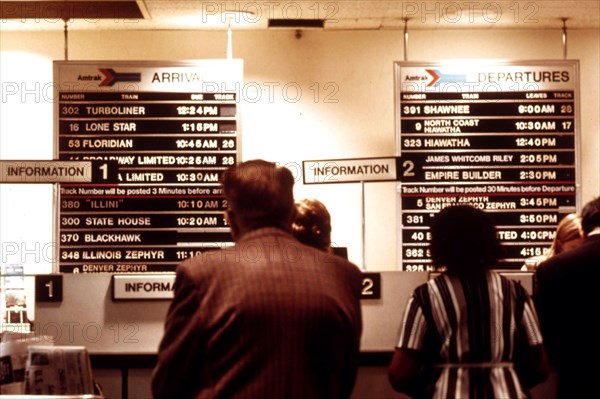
pixel 530 325
pixel 414 326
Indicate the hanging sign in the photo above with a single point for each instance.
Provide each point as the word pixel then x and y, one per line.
pixel 172 128
pixel 349 170
pixel 500 136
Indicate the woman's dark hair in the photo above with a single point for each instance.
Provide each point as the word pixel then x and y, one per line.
pixel 464 240
pixel 312 225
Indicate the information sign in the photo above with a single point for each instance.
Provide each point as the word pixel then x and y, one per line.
pixel 349 170
pixel 500 136
pixel 147 286
pixel 172 128
pixel 160 286
pixel 48 172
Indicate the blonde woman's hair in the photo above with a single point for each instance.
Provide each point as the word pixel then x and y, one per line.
pixel 568 229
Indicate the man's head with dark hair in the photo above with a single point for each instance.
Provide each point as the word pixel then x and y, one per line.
pixel 259 194
pixel 463 239
pixel 590 216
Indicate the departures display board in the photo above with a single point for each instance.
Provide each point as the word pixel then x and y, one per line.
pixel 500 136
pixel 167 130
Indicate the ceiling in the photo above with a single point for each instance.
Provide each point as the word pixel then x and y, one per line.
pixel 298 14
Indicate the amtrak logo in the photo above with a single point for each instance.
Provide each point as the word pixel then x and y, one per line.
pixel 111 77
pixel 439 77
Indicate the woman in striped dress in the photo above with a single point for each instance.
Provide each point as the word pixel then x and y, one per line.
pixel 469 333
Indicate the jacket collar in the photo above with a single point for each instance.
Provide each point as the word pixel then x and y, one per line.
pixel 264 232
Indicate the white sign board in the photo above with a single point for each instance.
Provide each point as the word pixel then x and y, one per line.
pixel 137 286
pixel 349 170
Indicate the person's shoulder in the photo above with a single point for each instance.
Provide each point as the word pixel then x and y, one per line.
pixel 345 264
pixel 564 267
pixel 443 279
pixel 337 266
pixel 353 269
pixel 585 257
pixel 549 265
pixel 189 268
pixel 563 260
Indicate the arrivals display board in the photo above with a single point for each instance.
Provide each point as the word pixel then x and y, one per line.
pixel 500 136
pixel 170 129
